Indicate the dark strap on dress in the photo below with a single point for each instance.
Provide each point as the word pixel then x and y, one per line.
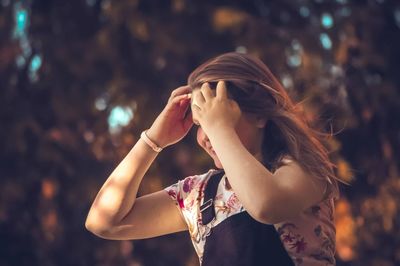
pixel 239 240
pixel 207 208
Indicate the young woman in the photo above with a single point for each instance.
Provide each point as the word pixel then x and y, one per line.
pixel 271 199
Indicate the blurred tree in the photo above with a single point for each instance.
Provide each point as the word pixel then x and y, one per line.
pixel 81 79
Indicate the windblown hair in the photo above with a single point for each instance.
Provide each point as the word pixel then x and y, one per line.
pixel 256 90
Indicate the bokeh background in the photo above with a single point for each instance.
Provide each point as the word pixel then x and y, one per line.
pixel 80 80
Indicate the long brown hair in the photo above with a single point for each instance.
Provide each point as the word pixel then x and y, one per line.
pixel 256 90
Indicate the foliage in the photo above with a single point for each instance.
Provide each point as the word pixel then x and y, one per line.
pixel 66 65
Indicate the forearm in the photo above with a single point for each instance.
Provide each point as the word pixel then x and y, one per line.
pixel 252 183
pixel 117 196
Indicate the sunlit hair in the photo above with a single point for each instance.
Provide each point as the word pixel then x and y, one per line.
pixel 256 90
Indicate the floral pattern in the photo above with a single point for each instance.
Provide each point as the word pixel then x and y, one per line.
pixel 309 239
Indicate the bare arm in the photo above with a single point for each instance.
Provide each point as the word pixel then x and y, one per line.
pixel 116 213
pixel 289 186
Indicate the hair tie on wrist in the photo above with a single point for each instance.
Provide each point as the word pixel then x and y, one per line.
pixel 149 142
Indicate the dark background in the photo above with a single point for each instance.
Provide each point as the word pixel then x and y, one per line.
pixel 80 80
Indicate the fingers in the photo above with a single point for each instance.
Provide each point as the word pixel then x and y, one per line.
pixel 182 90
pixel 197 99
pixel 179 99
pixel 221 90
pixel 206 91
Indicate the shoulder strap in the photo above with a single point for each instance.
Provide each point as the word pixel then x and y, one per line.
pixel 207 211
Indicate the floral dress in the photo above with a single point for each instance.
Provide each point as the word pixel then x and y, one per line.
pixel 309 239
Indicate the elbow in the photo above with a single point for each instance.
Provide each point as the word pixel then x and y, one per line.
pixel 90 225
pixel 94 228
pixel 97 228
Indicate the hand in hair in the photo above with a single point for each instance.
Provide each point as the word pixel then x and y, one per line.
pixel 214 112
pixel 171 125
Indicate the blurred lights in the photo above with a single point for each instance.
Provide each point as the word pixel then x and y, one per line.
pixel 160 63
pixel 21 21
pixel 88 136
pixel 287 81
pixel 241 49
pixel 293 54
pixel 336 71
pixel 294 60
pixel 91 2
pixel 100 103
pixel 346 226
pixel 344 171
pixel 119 117
pixel 20 61
pixel 304 11
pixel 36 62
pixel 397 16
pixel 344 12
pixel 325 41
pixel 48 188
pixel 327 20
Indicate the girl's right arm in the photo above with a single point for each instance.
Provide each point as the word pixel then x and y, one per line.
pixel 116 213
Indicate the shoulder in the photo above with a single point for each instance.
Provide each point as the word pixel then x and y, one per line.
pixel 329 187
pixel 188 185
pixel 291 175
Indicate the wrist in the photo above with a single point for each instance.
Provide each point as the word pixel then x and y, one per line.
pixel 156 137
pixel 218 129
pixel 151 141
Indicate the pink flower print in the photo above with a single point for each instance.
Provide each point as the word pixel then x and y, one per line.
pixel 300 245
pixel 180 201
pixel 172 193
pixel 188 184
pixel 233 202
pixel 285 227
pixel 288 237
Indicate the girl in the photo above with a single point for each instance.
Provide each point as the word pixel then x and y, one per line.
pixel 271 199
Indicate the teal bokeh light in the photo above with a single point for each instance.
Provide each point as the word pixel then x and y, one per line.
pixel 119 117
pixel 325 41
pixel 304 11
pixel 35 63
pixel 21 21
pixel 327 20
pixel 293 54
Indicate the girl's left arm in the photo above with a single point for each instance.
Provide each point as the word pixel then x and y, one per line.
pixel 268 197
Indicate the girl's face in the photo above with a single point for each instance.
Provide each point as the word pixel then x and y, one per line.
pixel 250 132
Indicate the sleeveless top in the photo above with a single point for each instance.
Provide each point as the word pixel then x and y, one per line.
pixel 309 239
